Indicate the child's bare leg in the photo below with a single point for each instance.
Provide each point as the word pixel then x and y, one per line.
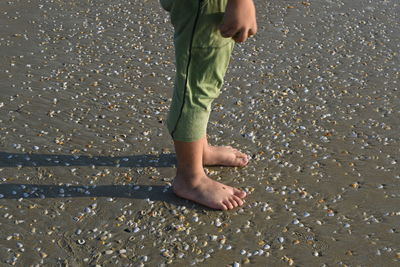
pixel 192 183
pixel 223 155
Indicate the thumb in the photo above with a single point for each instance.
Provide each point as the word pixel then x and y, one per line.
pixel 226 31
pixel 222 27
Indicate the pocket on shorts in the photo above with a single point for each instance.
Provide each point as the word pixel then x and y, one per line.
pixel 207 33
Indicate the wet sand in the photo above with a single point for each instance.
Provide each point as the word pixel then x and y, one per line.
pixel 86 162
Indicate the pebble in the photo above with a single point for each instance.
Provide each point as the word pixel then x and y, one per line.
pixel 246 261
pixel 108 252
pixel 43 255
pixel 87 210
pixel 270 189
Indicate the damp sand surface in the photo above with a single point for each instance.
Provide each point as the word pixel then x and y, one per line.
pixel 86 162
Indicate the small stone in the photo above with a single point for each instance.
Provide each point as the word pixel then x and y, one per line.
pixel 246 261
pixel 43 255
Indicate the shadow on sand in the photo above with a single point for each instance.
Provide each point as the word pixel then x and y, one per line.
pixel 135 191
pixel 146 192
pixel 41 160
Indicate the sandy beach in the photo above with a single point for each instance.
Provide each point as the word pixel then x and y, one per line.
pixel 86 162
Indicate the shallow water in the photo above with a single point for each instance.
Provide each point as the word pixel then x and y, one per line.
pixel 86 162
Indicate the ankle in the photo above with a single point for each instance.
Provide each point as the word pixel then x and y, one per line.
pixel 190 172
pixel 188 178
pixel 206 148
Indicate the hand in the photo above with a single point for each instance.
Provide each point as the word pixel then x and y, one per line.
pixel 239 21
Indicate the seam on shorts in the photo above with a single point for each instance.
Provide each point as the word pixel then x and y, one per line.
pixel 188 65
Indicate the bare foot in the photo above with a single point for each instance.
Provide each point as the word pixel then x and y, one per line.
pixel 208 192
pixel 225 156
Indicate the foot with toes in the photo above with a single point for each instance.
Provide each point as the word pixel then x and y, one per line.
pixel 224 156
pixel 208 192
pixel 193 184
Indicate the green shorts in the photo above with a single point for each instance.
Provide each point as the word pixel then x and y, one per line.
pixel 201 58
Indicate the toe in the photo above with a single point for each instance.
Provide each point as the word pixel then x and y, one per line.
pixel 239 160
pixel 238 200
pixel 239 193
pixel 240 154
pixel 223 206
pixel 243 161
pixel 228 204
pixel 234 203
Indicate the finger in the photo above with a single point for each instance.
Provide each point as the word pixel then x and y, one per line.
pixel 229 32
pixel 240 37
pixel 252 32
